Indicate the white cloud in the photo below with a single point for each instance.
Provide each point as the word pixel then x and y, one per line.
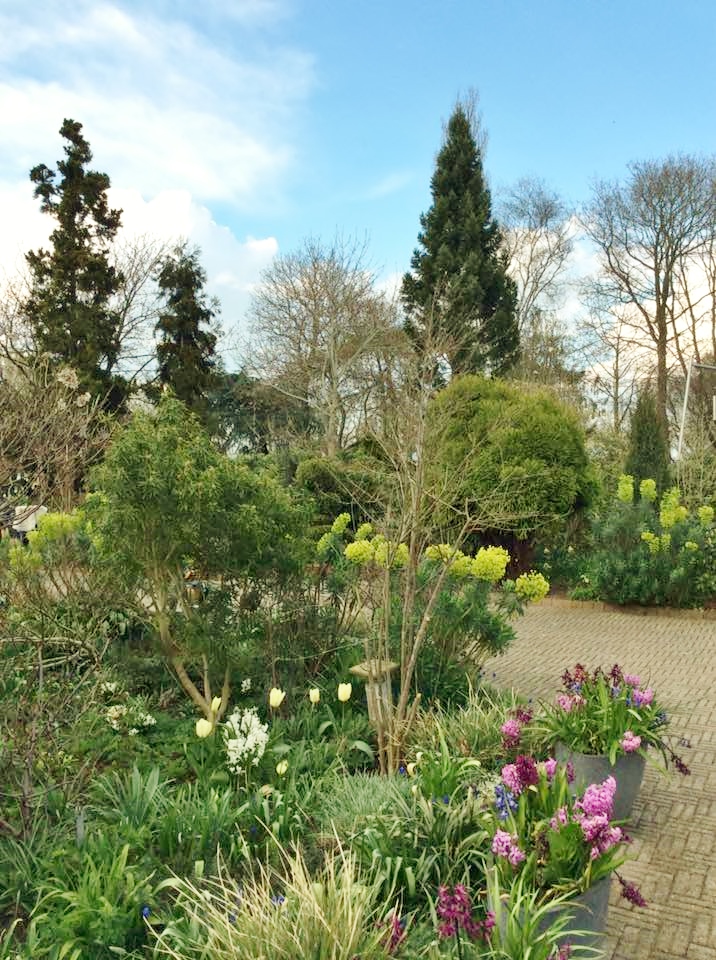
pixel 184 107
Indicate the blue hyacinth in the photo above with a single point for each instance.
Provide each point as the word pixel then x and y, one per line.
pixel 505 802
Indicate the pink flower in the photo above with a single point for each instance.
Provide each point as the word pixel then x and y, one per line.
pixel 632 679
pixel 515 855
pixel 511 779
pixel 630 742
pixel 598 799
pixel 501 843
pixel 559 819
pixel 550 767
pixel 643 698
pixel 565 702
pixel 511 731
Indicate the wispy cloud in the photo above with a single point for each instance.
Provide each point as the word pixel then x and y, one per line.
pixel 185 106
pixel 391 183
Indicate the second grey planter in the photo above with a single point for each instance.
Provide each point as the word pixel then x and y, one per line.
pixel 628 772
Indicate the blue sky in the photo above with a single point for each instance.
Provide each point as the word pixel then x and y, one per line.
pixel 249 125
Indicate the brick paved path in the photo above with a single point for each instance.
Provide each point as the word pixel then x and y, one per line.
pixel 674 820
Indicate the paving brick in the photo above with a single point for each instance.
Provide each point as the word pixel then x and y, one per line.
pixel 673 856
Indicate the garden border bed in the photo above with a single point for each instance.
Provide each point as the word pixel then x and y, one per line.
pixel 670 612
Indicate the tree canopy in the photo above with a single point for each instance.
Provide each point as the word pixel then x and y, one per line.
pixel 458 272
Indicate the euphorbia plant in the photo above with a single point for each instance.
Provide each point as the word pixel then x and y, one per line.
pixel 608 714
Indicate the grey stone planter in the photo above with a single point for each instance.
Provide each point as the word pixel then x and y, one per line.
pixel 587 913
pixel 628 772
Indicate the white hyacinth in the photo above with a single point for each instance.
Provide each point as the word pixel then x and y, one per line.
pixel 245 739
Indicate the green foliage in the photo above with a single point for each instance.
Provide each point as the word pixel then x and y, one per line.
pixel 652 554
pixel 93 909
pixel 186 351
pixel 348 484
pixel 648 454
pixel 516 458
pixel 285 915
pixel 164 496
pixel 69 307
pixel 458 275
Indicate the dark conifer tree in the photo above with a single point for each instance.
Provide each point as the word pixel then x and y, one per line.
pixel 648 455
pixel 458 279
pixel 186 351
pixel 70 304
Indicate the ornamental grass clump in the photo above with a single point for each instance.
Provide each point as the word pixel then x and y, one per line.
pixel 557 843
pixel 608 714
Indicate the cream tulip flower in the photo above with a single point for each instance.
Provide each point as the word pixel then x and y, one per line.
pixel 216 705
pixel 276 697
pixel 314 694
pixel 203 727
pixel 282 767
pixel 344 692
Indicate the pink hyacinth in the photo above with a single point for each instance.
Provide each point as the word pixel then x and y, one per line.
pixel 501 843
pixel 598 799
pixel 630 742
pixel 511 731
pixel 643 698
pixel 515 855
pixel 511 779
pixel 550 767
pixel 559 819
pixel 565 702
pixel 632 679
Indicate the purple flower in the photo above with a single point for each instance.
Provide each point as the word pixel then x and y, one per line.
pixel 598 799
pixel 511 731
pixel 564 952
pixel 570 771
pixel 146 911
pixel 632 679
pixel 550 767
pixel 630 742
pixel 455 910
pixel 505 802
pixel 277 900
pixel 501 843
pixel 527 771
pixel 631 892
pixel 511 778
pixel 643 698
pixel 396 933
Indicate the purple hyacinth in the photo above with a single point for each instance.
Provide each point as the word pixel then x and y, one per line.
pixel 505 802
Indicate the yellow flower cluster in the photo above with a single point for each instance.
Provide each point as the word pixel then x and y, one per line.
pixel 625 488
pixel 364 531
pixel 672 511
pixel 323 546
pixel 490 564
pixel 378 550
pixel 531 587
pixel 706 516
pixel 656 544
pixel 359 552
pixel 691 545
pixel 647 490
pixel 340 523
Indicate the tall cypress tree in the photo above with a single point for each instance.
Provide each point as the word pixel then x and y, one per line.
pixel 69 306
pixel 648 455
pixel 458 280
pixel 186 351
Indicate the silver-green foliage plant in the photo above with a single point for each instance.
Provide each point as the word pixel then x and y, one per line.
pixel 285 915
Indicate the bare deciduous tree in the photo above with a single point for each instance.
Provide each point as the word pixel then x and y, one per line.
pixel 319 326
pixel 654 233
